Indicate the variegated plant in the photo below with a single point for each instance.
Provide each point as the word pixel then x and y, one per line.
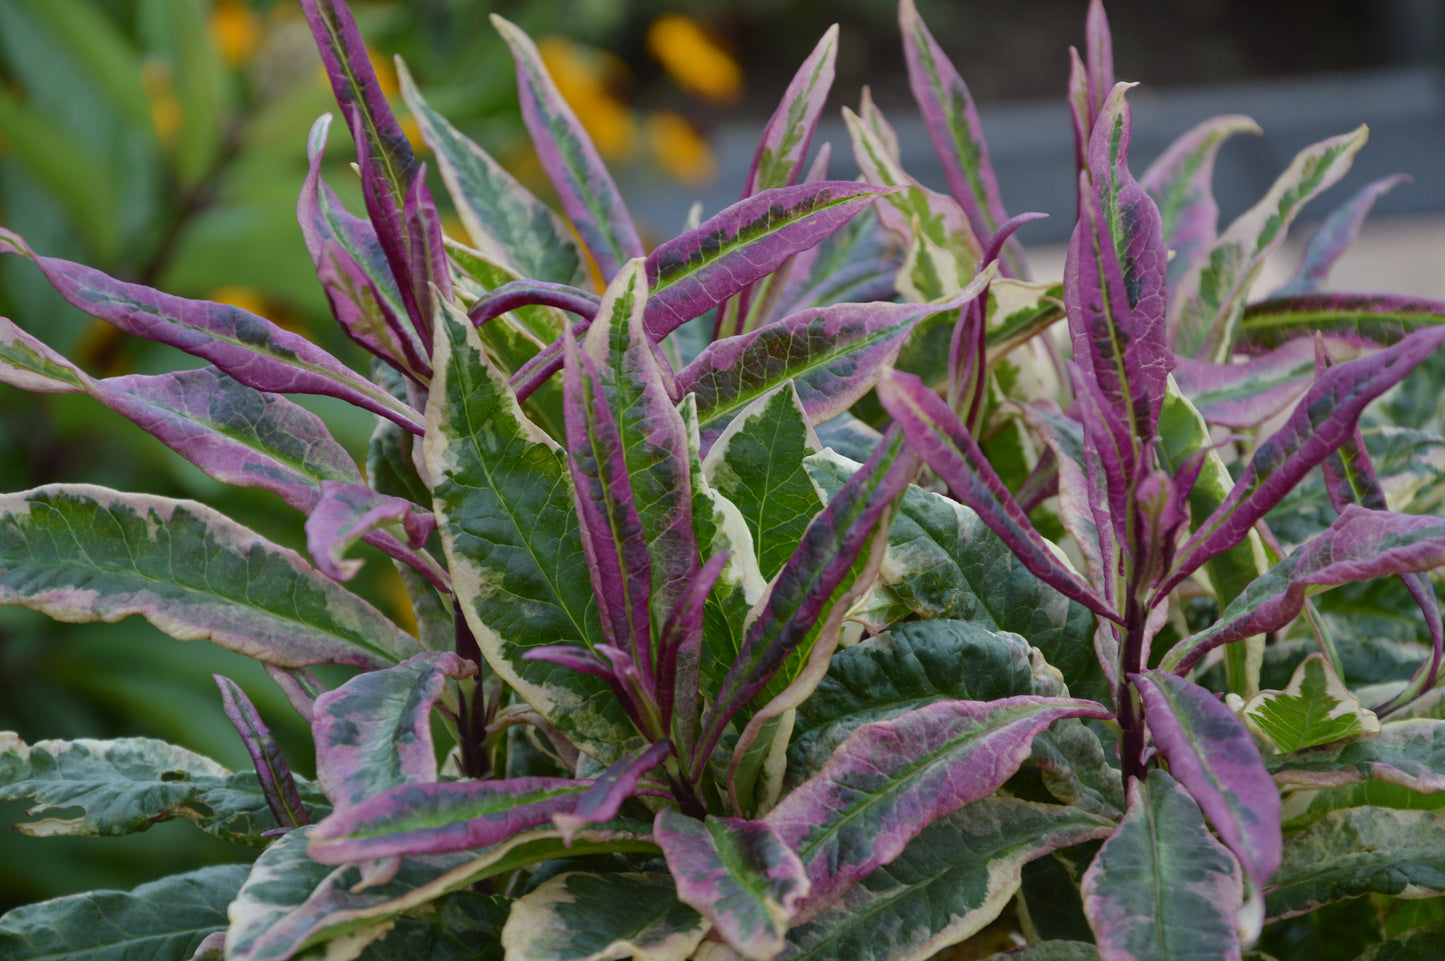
pixel 722 674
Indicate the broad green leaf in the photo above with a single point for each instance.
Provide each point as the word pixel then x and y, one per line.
pixel 757 464
pixel 126 785
pixel 1410 753
pixel 505 510
pixel 1422 944
pixel 1316 708
pixel 1056 951
pixel 600 917
pixel 462 926
pixel 1206 307
pixel 165 920
pixel 946 885
pixel 82 553
pixel 1305 807
pixel 1355 851
pixel 1017 311
pixel 1162 887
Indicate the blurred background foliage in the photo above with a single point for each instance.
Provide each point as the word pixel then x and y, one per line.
pixel 163 141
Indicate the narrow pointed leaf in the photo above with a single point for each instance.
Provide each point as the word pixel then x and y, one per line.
pixel 947 885
pixel 505 510
pixel 30 364
pixel 946 446
pixel 789 132
pixel 1361 320
pixel 81 553
pixel 583 184
pixel 598 917
pixel 1162 887
pixel 737 874
pixel 1181 183
pixel 164 920
pixel 502 217
pixel 1212 754
pixel 1206 307
pixel 1114 280
pixel 611 788
pixel 953 127
pixel 1017 310
pixel 346 513
pixel 891 779
pixel 249 348
pixel 1334 237
pixel 277 781
pixel 374 731
pixel 1243 396
pixel 1408 753
pixel 1316 708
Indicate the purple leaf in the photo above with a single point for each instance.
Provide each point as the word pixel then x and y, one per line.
pixel 947 447
pixel 583 184
pixel 1091 78
pixel 1243 396
pixel 1213 755
pixel 249 348
pixel 953 127
pixel 610 789
pixel 374 732
pixel 1361 320
pixel 434 818
pixel 274 773
pixel 1114 281
pixel 789 133
pixel 1359 545
pixel 525 293
pixel 681 654
pixel 737 874
pixel 1340 229
pixel 891 779
pixel 346 513
pixel 299 686
pixel 1324 419
pixel 1181 183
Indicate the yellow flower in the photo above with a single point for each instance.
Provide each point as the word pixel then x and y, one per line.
pixel 167 115
pixel 692 59
pixel 679 149
pixel 235 31
pixel 580 77
pixel 238 296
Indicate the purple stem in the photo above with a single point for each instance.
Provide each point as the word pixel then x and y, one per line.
pixel 529 293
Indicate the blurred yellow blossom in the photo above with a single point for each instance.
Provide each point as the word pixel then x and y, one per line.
pixel 580 75
pixel 235 31
pixel 385 73
pixel 243 297
pixel 679 149
pixel 692 59
pixel 167 114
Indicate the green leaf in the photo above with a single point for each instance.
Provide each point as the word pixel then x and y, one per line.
pixel 1421 944
pixel 1316 708
pixel 464 926
pixel 1056 951
pixel 82 553
pixel 599 917
pixel 505 511
pixel 165 920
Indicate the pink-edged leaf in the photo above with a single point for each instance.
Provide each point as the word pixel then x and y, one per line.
pixel 1115 290
pixel 1214 756
pixel 435 818
pixel 573 658
pixel 891 779
pixel 374 732
pixel 299 686
pixel 1360 320
pixel 528 293
pixel 681 645
pixel 738 874
pixel 802 595
pixel 789 132
pixel 1324 419
pixel 1108 460
pixel 699 270
pixel 1333 237
pixel 1098 57
pixel 610 789
pixel 82 553
pixel 1181 183
pixel 946 446
pixel 31 364
pixel 1162 888
pixel 1243 396
pixel 584 186
pixel 953 126
pixel 277 782
pixel 249 348
pixel 1359 545
pixel 1410 753
pixel 347 513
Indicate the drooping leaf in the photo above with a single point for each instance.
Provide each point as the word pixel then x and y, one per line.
pixel 738 874
pixel 599 917
pixel 778 161
pixel 274 774
pixel 1244 396
pixel 505 509
pixel 374 731
pixel 346 513
pixel 1162 887
pixel 502 217
pixel 164 920
pixel 1181 183
pixel 1206 307
pixel 1333 237
pixel 946 885
pixel 1211 753
pixel 891 779
pixel 1410 754
pixel 82 553
pixel 250 348
pixel 1316 708
pixel 1360 320
pixel 583 184
pixel 610 788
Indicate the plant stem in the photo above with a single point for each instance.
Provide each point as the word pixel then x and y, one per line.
pixel 1131 716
